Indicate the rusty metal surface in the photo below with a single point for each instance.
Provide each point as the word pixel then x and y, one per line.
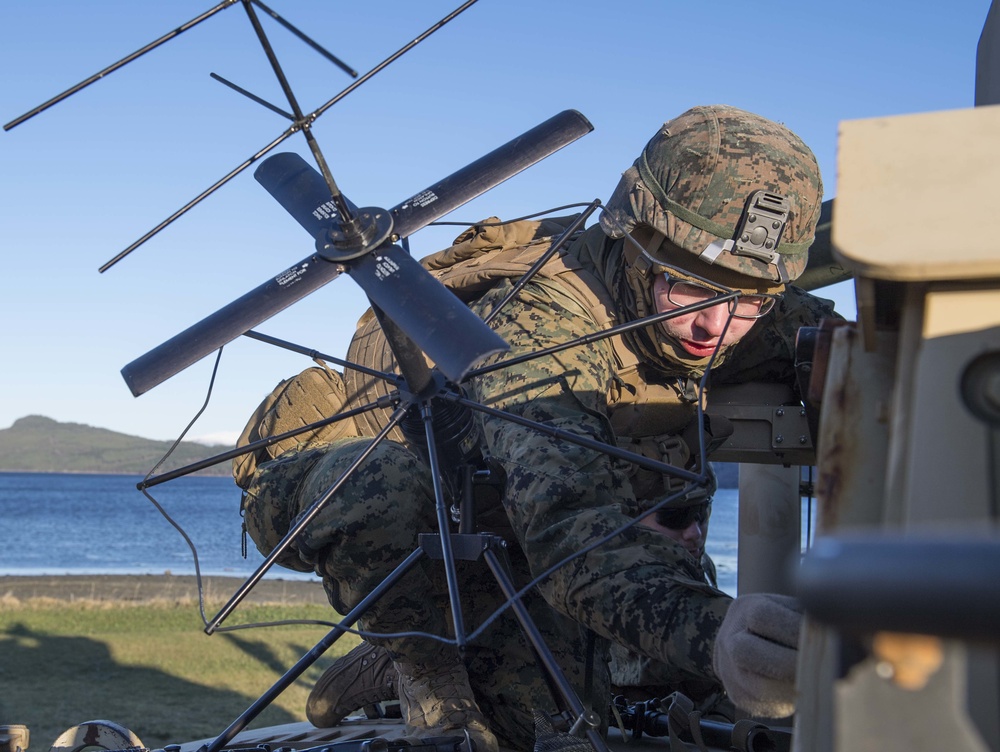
pixel 854 431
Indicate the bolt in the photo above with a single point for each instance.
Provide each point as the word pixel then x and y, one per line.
pixel 775 225
pixel 780 412
pixel 779 439
pixel 752 218
pixel 884 670
pixel 802 440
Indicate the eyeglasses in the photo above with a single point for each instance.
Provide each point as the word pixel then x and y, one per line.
pixel 683 518
pixel 682 292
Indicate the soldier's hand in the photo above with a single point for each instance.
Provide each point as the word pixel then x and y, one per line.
pixel 756 651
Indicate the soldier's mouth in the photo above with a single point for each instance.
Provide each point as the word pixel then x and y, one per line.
pixel 699 349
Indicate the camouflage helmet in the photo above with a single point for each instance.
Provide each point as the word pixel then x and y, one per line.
pixel 694 178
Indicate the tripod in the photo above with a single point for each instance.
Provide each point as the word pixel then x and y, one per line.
pixel 426 400
pixel 432 401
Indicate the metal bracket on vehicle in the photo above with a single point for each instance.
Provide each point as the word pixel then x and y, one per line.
pixel 770 425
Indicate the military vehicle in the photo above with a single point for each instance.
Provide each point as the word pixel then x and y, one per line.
pixel 900 416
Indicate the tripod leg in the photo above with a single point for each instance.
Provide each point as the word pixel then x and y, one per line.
pixel 469 547
pixel 313 655
pixel 584 719
pixel 303 520
pixel 355 541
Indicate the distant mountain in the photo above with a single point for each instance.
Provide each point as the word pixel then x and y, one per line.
pixel 38 444
pixel 42 445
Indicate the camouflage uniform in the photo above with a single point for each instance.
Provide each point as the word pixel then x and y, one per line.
pixel 639 588
pixel 639 678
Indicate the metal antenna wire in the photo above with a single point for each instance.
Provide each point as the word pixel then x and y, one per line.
pixel 393 57
pixel 252 96
pixel 111 68
pixel 325 53
pixel 343 210
pixel 304 125
pixel 301 122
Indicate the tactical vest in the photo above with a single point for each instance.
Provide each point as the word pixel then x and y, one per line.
pixel 647 410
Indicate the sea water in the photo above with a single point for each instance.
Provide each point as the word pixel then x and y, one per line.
pixel 101 524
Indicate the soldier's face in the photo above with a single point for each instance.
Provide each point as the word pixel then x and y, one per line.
pixel 701 332
pixel 692 537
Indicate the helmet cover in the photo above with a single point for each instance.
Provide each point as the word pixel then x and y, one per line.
pixel 692 181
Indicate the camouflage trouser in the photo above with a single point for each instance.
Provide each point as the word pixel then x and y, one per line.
pixel 370 526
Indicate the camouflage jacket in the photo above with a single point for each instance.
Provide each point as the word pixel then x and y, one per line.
pixel 567 504
pixel 638 588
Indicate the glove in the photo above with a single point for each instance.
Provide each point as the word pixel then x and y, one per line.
pixel 756 651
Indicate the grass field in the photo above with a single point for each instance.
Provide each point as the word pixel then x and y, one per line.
pixel 149 666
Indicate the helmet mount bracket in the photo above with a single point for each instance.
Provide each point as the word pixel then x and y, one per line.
pixel 757 234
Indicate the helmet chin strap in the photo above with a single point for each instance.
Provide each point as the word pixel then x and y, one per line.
pixel 638 249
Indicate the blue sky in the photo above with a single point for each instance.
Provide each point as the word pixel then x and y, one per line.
pixel 83 180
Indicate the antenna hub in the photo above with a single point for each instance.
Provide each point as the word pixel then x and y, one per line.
pixel 367 230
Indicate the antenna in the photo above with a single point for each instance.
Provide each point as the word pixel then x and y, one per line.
pixel 115 66
pixel 301 122
pixel 287 177
pixel 418 316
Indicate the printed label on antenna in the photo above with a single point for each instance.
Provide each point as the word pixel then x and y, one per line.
pixel 325 211
pixel 385 267
pixel 422 199
pixel 291 276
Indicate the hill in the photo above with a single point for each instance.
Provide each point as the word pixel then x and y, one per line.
pixel 42 445
pixel 37 444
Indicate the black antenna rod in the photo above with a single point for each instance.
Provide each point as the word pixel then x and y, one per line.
pixel 328 55
pixel 402 50
pixel 199 198
pixel 347 219
pixel 283 136
pixel 119 64
pixel 253 97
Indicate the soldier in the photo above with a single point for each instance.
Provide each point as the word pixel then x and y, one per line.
pixel 639 678
pixel 664 241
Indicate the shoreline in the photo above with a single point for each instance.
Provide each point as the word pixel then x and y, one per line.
pixel 141 588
